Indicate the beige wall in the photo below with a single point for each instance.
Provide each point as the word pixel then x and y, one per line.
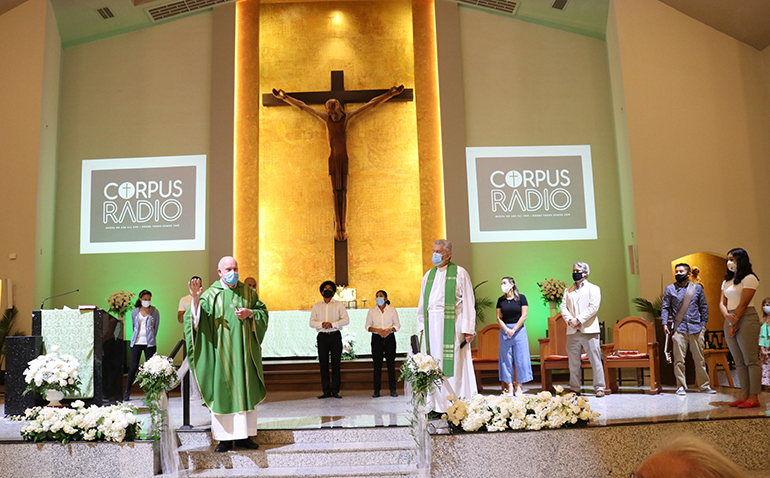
pixel 698 132
pixel 25 98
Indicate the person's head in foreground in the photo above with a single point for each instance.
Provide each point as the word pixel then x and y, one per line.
pixel 687 456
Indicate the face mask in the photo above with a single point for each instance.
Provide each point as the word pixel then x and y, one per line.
pixel 380 301
pixel 681 277
pixel 576 276
pixel 231 278
pixel 766 308
pixel 506 287
pixel 731 266
pixel 437 258
pixel 328 294
pixel 145 303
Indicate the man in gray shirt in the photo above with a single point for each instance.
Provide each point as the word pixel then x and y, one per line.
pixel 690 331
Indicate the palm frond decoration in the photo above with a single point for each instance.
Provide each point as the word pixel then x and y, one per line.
pixel 652 308
pixel 6 327
pixel 481 303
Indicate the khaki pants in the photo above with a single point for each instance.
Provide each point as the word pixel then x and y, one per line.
pixel 590 342
pixel 695 342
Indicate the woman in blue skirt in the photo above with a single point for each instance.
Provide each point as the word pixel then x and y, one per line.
pixel 514 344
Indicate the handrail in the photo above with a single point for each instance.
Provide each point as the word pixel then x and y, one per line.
pixel 185 384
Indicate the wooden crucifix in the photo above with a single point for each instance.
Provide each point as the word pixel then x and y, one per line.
pixel 337 120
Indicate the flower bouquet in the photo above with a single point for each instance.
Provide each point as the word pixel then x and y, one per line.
pixel 115 423
pixel 424 374
pixel 529 412
pixel 52 373
pixel 348 341
pixel 120 302
pixel 156 376
pixel 552 291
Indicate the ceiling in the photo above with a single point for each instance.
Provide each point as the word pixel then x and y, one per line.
pixel 745 20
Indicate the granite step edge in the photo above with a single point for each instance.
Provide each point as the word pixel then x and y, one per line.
pixel 382 471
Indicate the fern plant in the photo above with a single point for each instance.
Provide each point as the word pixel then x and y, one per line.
pixel 653 308
pixel 6 327
pixel 481 303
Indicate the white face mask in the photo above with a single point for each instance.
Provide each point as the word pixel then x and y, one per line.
pixel 506 288
pixel 766 308
pixel 731 266
pixel 145 303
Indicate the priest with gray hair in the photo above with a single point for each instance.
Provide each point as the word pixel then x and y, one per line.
pixel 446 314
pixel 579 309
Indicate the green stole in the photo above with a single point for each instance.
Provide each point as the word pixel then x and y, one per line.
pixel 449 316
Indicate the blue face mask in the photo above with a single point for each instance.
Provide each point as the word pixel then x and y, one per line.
pixel 437 258
pixel 380 301
pixel 231 278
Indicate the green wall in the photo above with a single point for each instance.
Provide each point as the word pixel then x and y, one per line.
pixel 530 85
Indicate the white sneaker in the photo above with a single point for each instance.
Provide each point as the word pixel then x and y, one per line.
pixel 681 391
pixel 708 390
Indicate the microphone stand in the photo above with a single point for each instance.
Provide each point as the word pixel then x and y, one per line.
pixel 59 295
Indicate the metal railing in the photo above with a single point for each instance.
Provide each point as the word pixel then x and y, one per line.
pixel 185 384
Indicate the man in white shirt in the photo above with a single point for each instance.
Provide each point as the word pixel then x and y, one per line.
pixel 435 313
pixel 579 308
pixel 328 317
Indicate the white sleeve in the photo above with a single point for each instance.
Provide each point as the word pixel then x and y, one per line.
pixel 369 319
pixel 468 325
pixel 195 313
pixel 565 313
pixel 396 322
pixel 420 306
pixel 750 282
pixel 343 316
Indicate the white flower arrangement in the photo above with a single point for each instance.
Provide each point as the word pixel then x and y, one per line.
pixel 52 372
pixel 348 341
pixel 115 423
pixel 529 412
pixel 345 294
pixel 120 301
pixel 156 376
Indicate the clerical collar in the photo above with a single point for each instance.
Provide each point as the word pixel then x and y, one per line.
pixel 225 286
pixel 443 268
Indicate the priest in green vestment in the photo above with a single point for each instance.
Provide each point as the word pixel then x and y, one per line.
pixel 224 327
pixel 447 314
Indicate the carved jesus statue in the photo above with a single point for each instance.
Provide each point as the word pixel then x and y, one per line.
pixel 337 120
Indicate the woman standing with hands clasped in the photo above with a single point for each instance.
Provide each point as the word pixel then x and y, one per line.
pixel 514 343
pixel 382 322
pixel 742 325
pixel 145 320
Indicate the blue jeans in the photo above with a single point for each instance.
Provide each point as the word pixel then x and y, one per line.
pixel 514 352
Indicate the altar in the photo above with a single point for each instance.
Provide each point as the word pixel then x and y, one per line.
pixel 289 333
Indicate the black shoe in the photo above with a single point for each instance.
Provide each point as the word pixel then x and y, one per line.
pixel 325 395
pixel 224 445
pixel 247 443
pixel 376 394
pixel 336 395
pixel 434 414
pixel 393 393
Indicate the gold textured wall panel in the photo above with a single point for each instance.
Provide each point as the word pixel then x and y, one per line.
pixel 299 45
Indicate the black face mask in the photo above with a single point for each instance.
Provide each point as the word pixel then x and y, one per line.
pixel 681 277
pixel 576 276
pixel 328 294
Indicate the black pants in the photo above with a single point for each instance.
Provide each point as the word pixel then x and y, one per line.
pixel 386 346
pixel 136 353
pixel 112 368
pixel 330 343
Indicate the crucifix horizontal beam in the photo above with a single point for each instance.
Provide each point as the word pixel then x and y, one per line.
pixel 337 92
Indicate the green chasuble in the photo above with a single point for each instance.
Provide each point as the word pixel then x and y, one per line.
pixel 225 352
pixel 450 314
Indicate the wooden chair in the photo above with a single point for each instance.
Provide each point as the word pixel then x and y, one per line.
pixel 633 346
pixel 553 353
pixel 486 356
pixel 716 357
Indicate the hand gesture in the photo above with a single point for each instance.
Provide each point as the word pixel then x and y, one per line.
pixel 243 313
pixel 469 338
pixel 195 288
pixel 396 90
pixel 280 94
pixel 509 332
pixel 665 329
pixel 732 318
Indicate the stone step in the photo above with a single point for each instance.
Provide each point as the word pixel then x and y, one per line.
pixel 381 471
pixel 201 437
pixel 302 455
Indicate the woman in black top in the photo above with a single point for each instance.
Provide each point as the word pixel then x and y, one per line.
pixel 514 343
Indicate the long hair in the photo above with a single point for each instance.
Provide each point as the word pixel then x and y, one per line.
pixel 515 289
pixel 742 266
pixel 139 297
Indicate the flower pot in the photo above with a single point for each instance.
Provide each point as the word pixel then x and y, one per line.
pixel 554 308
pixel 53 397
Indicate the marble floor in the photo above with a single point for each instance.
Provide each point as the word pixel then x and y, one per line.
pixel 302 410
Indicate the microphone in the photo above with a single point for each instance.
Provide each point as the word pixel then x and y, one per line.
pixel 59 295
